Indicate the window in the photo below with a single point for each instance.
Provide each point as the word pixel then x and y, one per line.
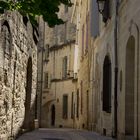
pixel 107 85
pixel 64 67
pixel 46 80
pixel 106 12
pixel 72 106
pixel 77 111
pixel 81 97
pixel 46 52
pixel 65 106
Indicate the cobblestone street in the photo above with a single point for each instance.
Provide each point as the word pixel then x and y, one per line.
pixel 62 134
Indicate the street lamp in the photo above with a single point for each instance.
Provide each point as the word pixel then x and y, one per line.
pixel 101 4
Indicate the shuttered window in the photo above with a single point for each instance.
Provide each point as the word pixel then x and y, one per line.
pixel 81 97
pixel 65 106
pixel 72 105
pixel 46 77
pixel 77 110
pixel 64 67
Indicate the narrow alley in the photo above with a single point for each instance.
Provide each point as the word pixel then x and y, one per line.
pixel 62 134
pixel 69 70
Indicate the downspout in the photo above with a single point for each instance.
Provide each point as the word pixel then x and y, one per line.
pixel 116 69
pixel 42 51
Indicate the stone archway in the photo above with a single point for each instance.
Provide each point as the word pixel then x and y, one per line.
pixel 129 86
pixel 53 115
pixel 27 118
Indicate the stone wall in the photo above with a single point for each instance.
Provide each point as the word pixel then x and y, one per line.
pixel 17 48
pixel 129 68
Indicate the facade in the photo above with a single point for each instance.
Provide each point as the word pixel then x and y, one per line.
pixel 81 18
pixel 128 72
pixel 59 88
pixel 113 55
pixel 18 68
pixel 103 69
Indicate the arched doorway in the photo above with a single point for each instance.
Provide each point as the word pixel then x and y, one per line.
pixel 129 86
pixel 53 115
pixel 107 85
pixel 28 118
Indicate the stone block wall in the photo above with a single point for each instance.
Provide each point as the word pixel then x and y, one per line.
pixel 16 47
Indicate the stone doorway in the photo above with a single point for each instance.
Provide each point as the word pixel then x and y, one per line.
pixel 27 118
pixel 129 86
pixel 53 115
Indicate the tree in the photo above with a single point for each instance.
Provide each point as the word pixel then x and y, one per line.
pixel 48 9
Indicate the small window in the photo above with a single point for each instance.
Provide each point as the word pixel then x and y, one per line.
pixel 46 77
pixel 72 105
pixel 46 52
pixel 81 97
pixel 65 106
pixel 77 110
pixel 64 67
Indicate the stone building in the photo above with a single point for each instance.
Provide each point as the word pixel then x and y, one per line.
pixel 128 69
pixel 18 72
pixel 80 17
pixel 97 62
pixel 103 67
pixel 59 74
pixel 114 66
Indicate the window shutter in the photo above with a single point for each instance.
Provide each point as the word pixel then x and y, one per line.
pixel 65 107
pixel 64 67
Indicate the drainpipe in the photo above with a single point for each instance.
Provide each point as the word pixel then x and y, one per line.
pixel 42 52
pixel 116 69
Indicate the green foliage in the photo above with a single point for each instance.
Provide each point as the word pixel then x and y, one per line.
pixel 48 9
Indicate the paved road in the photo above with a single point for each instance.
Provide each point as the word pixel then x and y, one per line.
pixel 62 134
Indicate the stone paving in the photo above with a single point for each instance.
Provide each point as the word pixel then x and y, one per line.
pixel 62 134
